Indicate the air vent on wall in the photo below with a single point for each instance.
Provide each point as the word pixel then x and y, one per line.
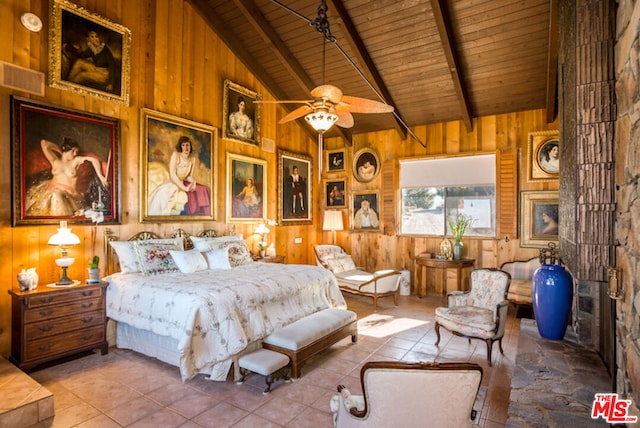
pixel 21 78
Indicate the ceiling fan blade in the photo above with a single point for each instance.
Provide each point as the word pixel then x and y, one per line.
pixel 299 112
pixel 345 119
pixel 283 101
pixel 329 92
pixel 362 105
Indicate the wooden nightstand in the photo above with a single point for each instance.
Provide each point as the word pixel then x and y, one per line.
pixel 271 259
pixel 50 323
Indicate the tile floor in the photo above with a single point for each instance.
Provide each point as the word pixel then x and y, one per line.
pixel 127 389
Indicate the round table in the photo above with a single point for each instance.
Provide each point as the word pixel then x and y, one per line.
pixel 427 262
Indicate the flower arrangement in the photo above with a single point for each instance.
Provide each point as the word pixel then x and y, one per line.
pixel 96 217
pixel 459 225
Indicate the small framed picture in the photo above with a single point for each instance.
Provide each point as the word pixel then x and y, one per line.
pixel 246 189
pixel 294 188
pixel 177 169
pixel 336 160
pixel 335 193
pixel 365 211
pixel 241 116
pixel 88 54
pixel 366 165
pixel 543 156
pixel 538 218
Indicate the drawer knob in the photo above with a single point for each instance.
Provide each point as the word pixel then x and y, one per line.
pixel 85 320
pixel 87 305
pixel 46 313
pixel 87 336
pixel 44 328
pixel 87 293
pixel 46 299
pixel 45 347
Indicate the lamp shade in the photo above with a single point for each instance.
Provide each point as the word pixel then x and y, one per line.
pixel 321 120
pixel 332 220
pixel 64 237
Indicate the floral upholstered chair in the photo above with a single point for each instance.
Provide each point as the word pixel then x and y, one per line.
pixel 355 280
pixel 405 394
pixel 480 313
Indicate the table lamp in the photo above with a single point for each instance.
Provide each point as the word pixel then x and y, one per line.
pixel 64 239
pixel 332 221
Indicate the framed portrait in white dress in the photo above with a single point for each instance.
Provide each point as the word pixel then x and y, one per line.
pixel 543 156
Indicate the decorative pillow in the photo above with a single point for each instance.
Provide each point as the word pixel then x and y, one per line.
pixel 218 259
pixel 341 263
pixel 239 254
pixel 128 257
pixel 155 258
pixel 204 244
pixel 189 261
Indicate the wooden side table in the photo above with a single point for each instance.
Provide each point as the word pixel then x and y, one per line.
pixel 424 263
pixel 50 323
pixel 271 259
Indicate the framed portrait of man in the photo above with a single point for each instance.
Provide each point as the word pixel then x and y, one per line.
pixel 335 193
pixel 64 162
pixel 365 211
pixel 177 169
pixel 241 115
pixel 88 53
pixel 294 188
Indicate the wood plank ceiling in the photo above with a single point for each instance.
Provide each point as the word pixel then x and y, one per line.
pixel 433 60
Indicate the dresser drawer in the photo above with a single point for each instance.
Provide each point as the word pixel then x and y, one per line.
pixel 55 311
pixel 58 344
pixel 49 299
pixel 39 330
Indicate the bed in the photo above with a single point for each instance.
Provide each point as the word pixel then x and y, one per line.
pixel 200 317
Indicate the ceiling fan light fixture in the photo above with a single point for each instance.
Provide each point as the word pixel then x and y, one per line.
pixel 321 120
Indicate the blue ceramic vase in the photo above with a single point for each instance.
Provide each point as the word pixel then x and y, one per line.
pixel 552 298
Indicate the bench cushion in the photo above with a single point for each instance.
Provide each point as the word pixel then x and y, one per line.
pixel 263 361
pixel 520 291
pixel 310 328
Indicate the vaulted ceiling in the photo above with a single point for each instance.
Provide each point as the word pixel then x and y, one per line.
pixel 433 60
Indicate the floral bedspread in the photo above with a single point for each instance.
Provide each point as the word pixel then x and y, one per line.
pixel 215 314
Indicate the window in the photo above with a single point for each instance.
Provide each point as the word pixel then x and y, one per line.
pixel 432 189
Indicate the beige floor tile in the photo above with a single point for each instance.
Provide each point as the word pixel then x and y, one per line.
pixel 280 410
pixel 220 416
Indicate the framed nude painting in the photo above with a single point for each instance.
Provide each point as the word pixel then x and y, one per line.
pixel 366 165
pixel 543 156
pixel 64 162
pixel 294 188
pixel 241 115
pixel 538 218
pixel 246 189
pixel 365 211
pixel 177 169
pixel 88 54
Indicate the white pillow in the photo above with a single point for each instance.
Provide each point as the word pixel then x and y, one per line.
pixel 218 259
pixel 128 256
pixel 342 263
pixel 205 243
pixel 189 261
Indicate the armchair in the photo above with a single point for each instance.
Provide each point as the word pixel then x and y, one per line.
pixel 355 280
pixel 479 313
pixel 410 395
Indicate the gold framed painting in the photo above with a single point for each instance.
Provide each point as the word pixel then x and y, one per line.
pixel 336 160
pixel 177 169
pixel 294 188
pixel 88 53
pixel 246 189
pixel 538 218
pixel 366 165
pixel 335 193
pixel 543 156
pixel 240 114
pixel 365 211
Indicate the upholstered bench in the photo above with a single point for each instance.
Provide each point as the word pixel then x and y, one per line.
pixel 306 337
pixel 270 364
pixel 521 281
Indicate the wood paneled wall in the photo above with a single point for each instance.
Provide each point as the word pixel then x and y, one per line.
pixel 178 66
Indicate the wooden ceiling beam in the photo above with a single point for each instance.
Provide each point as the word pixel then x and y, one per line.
pixel 446 37
pixel 372 74
pixel 552 63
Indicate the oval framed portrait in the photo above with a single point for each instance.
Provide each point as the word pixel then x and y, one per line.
pixel 544 156
pixel 366 165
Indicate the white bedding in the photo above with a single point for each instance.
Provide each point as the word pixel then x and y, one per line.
pixel 215 314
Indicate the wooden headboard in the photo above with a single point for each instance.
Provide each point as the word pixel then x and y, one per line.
pixel 111 262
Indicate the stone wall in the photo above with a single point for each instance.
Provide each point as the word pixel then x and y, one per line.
pixel 627 169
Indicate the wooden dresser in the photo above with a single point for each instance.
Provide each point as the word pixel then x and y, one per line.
pixel 50 323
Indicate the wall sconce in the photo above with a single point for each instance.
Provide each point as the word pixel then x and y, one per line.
pixel 31 22
pixel 616 291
